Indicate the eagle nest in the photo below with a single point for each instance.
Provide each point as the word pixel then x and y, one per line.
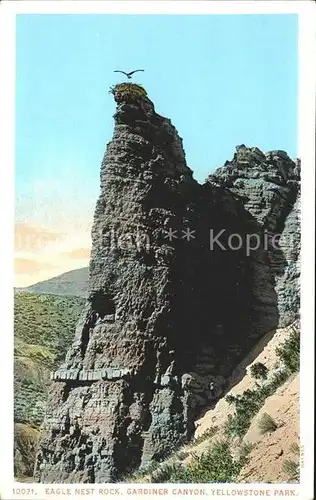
pixel 127 92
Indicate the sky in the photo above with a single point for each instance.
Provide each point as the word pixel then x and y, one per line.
pixel 223 80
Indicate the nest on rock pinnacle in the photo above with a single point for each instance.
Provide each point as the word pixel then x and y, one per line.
pixel 127 92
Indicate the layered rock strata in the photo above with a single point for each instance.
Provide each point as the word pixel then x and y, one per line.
pixel 170 311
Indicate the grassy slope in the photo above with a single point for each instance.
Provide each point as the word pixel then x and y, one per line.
pixel 43 329
pixel 44 326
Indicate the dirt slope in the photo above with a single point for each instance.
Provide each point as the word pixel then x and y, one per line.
pixel 274 448
pixel 274 454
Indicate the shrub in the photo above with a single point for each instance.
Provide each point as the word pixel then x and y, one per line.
pixel 181 455
pixel 249 403
pixel 259 371
pixel 210 432
pixel 267 424
pixel 216 465
pixel 289 351
pixel 294 448
pixel 135 475
pixel 168 473
pixel 278 379
pixel 246 448
pixel 127 91
pixel 291 468
pixel 230 399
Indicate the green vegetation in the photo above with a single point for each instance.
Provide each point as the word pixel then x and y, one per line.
pixel 159 470
pixel 291 468
pixel 44 326
pixel 259 371
pixel 289 351
pixel 218 464
pixel 128 91
pixel 246 448
pixel 168 473
pixel 295 449
pixel 135 475
pixel 210 432
pixel 46 321
pixel 182 455
pixel 250 402
pixel 215 465
pixel 267 424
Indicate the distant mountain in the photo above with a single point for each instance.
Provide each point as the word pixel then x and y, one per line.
pixel 73 283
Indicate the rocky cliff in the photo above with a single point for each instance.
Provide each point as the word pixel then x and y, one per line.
pixel 184 279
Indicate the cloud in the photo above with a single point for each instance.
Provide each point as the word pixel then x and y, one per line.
pixel 31 238
pixel 42 253
pixel 78 253
pixel 30 266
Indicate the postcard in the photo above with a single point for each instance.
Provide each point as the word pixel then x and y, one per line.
pixel 158 168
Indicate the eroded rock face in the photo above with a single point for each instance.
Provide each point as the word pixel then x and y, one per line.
pixel 269 185
pixel 167 317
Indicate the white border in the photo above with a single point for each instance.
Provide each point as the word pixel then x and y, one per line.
pixel 158 7
pixel 307 49
pixel 7 107
pixel 306 151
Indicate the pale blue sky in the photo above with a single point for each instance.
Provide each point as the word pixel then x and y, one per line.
pixel 223 81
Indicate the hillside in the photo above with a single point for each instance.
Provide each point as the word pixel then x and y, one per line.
pixel 73 283
pixel 252 433
pixel 228 432
pixel 44 326
pixel 275 453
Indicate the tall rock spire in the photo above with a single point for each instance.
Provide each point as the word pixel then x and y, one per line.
pixel 117 402
pixel 167 316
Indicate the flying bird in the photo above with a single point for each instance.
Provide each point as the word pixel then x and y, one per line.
pixel 129 75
